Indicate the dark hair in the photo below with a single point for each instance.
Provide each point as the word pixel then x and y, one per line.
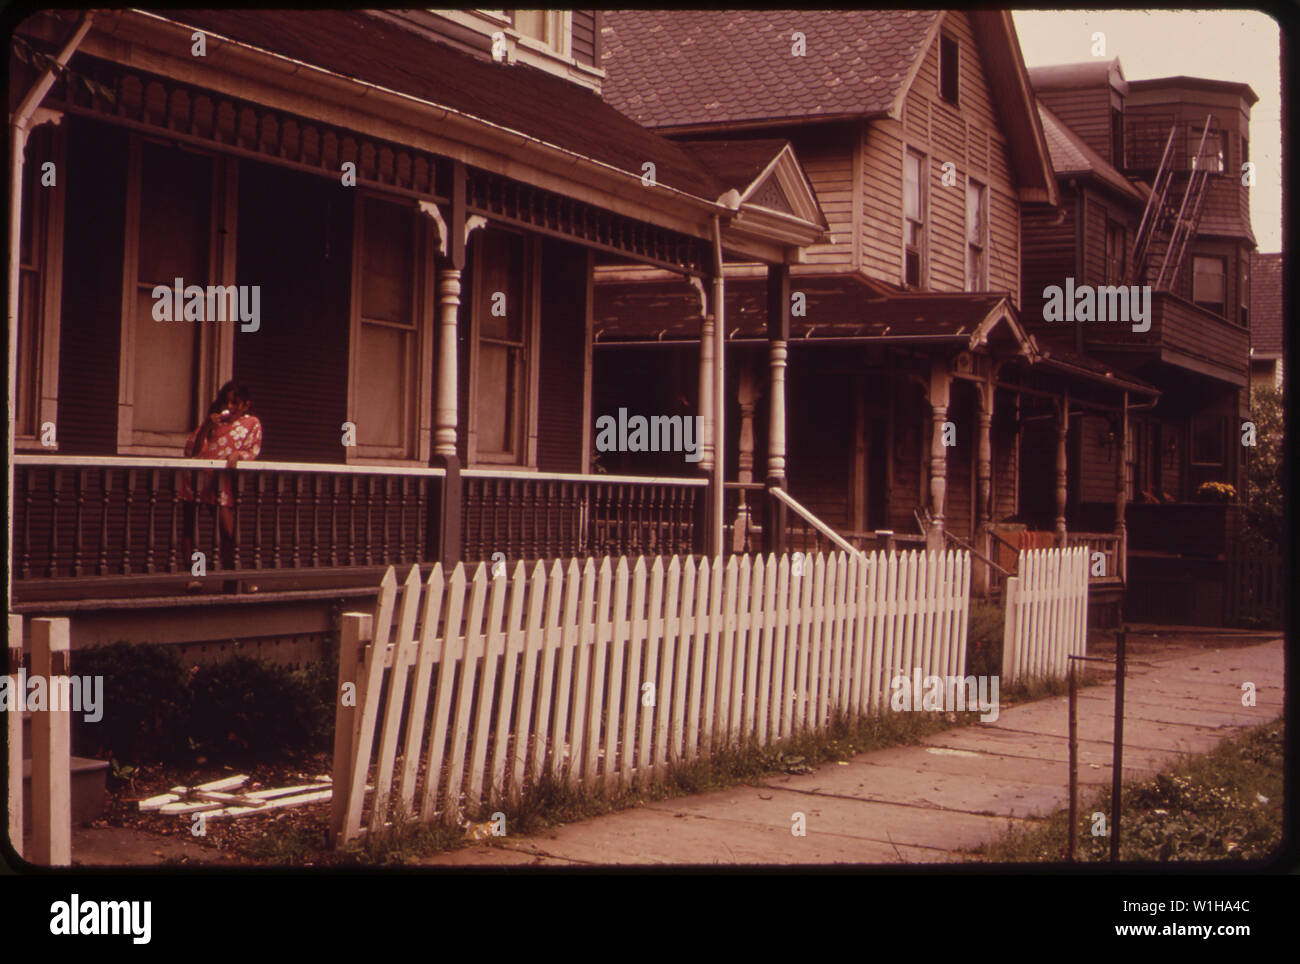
pixel 241 392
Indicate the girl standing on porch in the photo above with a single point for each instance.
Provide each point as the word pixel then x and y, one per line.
pixel 229 432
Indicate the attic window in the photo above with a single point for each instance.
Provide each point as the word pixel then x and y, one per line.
pixel 949 61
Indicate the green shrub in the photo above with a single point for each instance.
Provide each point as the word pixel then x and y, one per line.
pixel 984 638
pixel 248 709
pixel 239 710
pixel 145 703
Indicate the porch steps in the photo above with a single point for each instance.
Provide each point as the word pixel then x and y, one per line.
pixel 89 783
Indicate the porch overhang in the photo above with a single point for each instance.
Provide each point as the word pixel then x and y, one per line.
pixel 367 97
pixel 833 309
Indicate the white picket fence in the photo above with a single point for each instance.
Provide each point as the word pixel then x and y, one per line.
pixel 608 674
pixel 51 736
pixel 1046 615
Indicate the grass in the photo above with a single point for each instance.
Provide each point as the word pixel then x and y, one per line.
pixel 553 802
pixel 1223 805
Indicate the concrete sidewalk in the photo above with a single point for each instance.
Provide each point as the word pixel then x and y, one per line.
pixel 920 804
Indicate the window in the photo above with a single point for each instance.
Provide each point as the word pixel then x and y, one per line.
pixel 1116 241
pixel 1243 290
pixel 1117 137
pixel 502 373
pixel 1209 283
pixel 550 28
pixel 977 236
pixel 1207 440
pixel 914 212
pixel 386 373
pixel 1212 156
pixel 40 281
pixel 949 68
pixel 179 202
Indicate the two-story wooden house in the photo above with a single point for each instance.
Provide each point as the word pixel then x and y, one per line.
pixel 406 208
pixel 917 398
pixel 1125 155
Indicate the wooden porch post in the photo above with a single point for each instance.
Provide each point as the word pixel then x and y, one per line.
pixel 747 395
pixel 940 385
pixel 1121 494
pixel 446 546
pixel 778 339
pixel 1062 478
pixel 984 481
pixel 706 378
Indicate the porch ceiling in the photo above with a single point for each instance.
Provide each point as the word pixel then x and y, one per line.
pixel 839 307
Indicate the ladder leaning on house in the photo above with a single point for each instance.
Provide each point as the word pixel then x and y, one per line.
pixel 1171 217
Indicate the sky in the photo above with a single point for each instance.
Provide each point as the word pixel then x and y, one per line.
pixel 1236 45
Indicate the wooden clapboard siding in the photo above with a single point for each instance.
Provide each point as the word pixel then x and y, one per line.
pixel 1048 257
pixel 827 158
pixel 1004 244
pixel 295 240
pixel 563 335
pixel 90 331
pixel 881 231
pixel 1097 473
pixel 968 136
pixel 1086 111
pixel 911 433
pixel 1006 456
pixel 753 652
pixel 1094 247
pixel 819 462
pixel 586 28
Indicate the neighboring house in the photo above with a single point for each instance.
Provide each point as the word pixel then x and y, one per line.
pixel 1266 320
pixel 915 387
pixel 1107 138
pixel 418 215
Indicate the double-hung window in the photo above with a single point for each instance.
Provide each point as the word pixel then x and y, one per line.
pixel 180 213
pixel 1116 239
pixel 1209 284
pixel 503 378
pixel 914 219
pixel 39 286
pixel 977 236
pixel 389 370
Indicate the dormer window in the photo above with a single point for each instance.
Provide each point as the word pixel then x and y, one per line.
pixel 551 29
pixel 949 68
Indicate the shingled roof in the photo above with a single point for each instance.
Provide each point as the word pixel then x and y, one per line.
pixel 689 68
pixel 1266 304
pixel 1071 157
pixel 358 45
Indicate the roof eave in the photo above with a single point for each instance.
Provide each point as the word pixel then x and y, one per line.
pixel 132 38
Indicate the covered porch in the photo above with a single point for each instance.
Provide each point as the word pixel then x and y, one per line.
pixel 422 362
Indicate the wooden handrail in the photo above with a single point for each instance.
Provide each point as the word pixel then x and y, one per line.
pixel 815 522
pixel 962 544
pixel 130 462
pixel 525 474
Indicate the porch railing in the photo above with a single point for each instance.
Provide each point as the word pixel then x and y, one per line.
pixel 98 518
pixel 540 515
pixel 77 516
pixel 1108 544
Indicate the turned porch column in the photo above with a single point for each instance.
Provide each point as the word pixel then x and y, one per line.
pixel 940 386
pixel 706 379
pixel 1121 494
pixel 746 395
pixel 983 577
pixel 778 340
pixel 1062 478
pixel 453 237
